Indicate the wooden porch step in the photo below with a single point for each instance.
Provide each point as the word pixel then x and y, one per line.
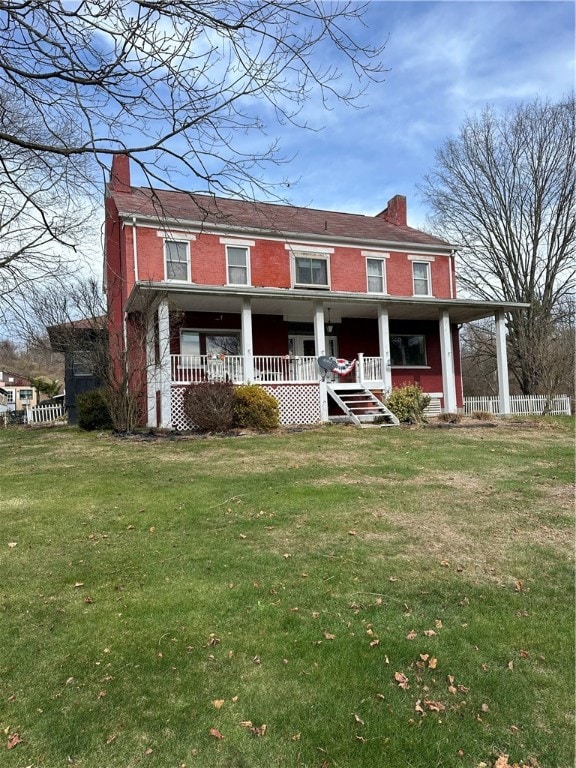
pixel 361 405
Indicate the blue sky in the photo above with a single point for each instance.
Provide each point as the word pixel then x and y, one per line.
pixel 446 60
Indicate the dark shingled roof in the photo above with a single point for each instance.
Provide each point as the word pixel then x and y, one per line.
pixel 281 220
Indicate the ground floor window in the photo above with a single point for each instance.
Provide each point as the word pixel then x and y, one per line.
pixel 210 343
pixel 408 350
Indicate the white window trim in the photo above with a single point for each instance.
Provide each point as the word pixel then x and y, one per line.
pixel 425 261
pixel 310 253
pixel 381 257
pixel 239 244
pixel 175 234
pixel 188 264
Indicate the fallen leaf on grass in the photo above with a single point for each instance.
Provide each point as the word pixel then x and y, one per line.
pixel 215 733
pixel 88 600
pixel 510 665
pixel 218 703
pixel 434 706
pixel 328 636
pixel 402 680
pixel 13 740
pixel 429 632
pixel 246 723
pixel 12 544
pixel 111 738
pixel 518 585
pixel 412 635
pixel 358 719
pixel 78 584
pixel 148 751
pixel 259 731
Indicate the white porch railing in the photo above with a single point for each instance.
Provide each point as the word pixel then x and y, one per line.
pixel 191 369
pixel 537 405
pixel 287 369
pixel 369 369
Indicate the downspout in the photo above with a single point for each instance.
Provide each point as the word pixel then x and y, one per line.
pixel 452 258
pixel 135 249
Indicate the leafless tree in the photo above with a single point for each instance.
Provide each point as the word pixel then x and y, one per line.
pixel 505 190
pixel 175 85
pixel 45 207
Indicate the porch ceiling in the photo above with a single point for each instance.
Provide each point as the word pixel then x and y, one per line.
pixel 296 305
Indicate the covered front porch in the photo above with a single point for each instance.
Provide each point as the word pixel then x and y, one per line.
pixel 204 333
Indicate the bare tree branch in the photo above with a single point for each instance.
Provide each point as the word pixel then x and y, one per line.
pixel 505 189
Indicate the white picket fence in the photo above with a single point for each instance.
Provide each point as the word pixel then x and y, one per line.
pixel 46 414
pixel 536 405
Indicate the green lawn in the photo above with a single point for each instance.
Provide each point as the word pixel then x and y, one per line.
pixel 384 598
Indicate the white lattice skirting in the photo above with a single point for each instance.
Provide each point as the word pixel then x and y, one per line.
pixel 299 404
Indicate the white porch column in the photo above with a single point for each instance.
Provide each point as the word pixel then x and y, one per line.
pixel 447 355
pixel 165 370
pixel 247 344
pixel 502 363
pixel 150 372
pixel 319 336
pixel 384 341
pixel 320 342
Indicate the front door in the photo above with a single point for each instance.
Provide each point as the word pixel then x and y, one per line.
pixel 305 346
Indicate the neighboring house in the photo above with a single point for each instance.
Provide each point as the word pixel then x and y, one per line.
pixel 18 391
pixel 203 288
pixel 81 342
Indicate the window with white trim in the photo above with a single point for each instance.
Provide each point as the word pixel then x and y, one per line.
pixel 311 271
pixel 238 265
pixel 214 343
pixel 375 275
pixel 177 262
pixel 421 278
pixel 10 395
pixel 408 351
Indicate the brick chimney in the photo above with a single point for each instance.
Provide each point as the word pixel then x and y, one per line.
pixel 120 174
pixel 395 211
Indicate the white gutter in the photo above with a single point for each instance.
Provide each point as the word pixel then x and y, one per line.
pixel 135 249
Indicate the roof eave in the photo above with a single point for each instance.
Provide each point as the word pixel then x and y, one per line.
pixel 168 223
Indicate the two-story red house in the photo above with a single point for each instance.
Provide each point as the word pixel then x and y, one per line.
pixel 203 288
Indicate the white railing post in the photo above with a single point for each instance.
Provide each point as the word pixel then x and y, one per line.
pixel 360 365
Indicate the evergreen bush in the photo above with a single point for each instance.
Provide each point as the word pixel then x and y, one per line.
pixel 408 403
pixel 93 410
pixel 255 408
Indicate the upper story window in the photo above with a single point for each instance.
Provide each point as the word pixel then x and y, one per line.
pixel 311 271
pixel 376 275
pixel 421 278
pixel 238 265
pixel 177 261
